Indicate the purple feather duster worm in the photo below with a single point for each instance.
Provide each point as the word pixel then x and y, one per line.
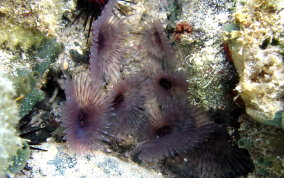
pixel 85 114
pixel 128 102
pixel 171 129
pixel 156 44
pixel 109 33
pixel 168 84
pixel 216 158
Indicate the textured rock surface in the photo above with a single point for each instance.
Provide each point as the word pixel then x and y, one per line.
pixel 9 140
pixel 257 51
pixel 210 74
pixel 29 22
pixel 266 147
pixel 59 162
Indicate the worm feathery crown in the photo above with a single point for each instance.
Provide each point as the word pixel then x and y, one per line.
pixel 84 115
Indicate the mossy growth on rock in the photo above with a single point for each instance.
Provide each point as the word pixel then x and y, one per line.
pixel 257 52
pixel 29 22
pixel 210 75
pixel 19 36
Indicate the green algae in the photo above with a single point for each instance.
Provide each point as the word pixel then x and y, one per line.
pixel 48 52
pixel 50 49
pixel 263 164
pixel 210 84
pixel 14 36
pixel 24 81
pixel 277 120
pixel 265 145
pixel 245 143
pixel 230 27
pixel 175 9
pixel 30 100
pixel 25 24
pixel 19 161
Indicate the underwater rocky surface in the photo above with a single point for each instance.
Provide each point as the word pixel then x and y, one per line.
pixel 232 52
pixel 59 162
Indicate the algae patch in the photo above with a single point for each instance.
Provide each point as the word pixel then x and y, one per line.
pixel 30 100
pixel 29 83
pixel 266 147
pixel 13 36
pixel 26 23
pixel 19 161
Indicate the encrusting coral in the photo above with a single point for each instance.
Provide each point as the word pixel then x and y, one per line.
pixel 257 52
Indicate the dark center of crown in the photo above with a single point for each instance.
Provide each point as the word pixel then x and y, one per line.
pixel 165 130
pixel 165 83
pixel 157 38
pixel 82 119
pixel 101 41
pixel 118 100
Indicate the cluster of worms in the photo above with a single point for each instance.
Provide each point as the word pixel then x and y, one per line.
pixel 150 107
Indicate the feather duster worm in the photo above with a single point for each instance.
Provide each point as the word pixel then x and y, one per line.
pixel 128 102
pixel 216 158
pixel 92 9
pixel 84 115
pixel 107 48
pixel 171 130
pixel 154 41
pixel 168 84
